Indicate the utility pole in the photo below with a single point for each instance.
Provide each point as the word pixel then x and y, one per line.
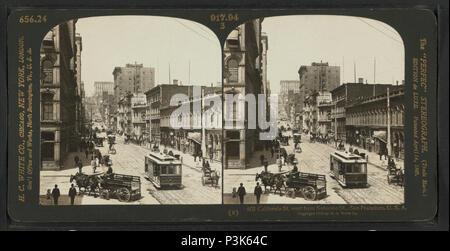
pixel 389 150
pixel 203 124
pixel 354 72
pixel 374 69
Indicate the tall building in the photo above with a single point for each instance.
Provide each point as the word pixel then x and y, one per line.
pixel 319 77
pixel 59 135
pixel 103 86
pixel 133 78
pixel 243 74
pixel 80 86
pixel 288 102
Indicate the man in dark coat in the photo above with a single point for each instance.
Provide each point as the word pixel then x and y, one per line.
pixel 72 194
pixel 241 193
pixel 80 166
pixel 258 192
pixel 55 194
pixel 76 159
pixel 261 158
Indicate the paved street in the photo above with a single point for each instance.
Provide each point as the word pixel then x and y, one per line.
pixel 130 160
pixel 315 158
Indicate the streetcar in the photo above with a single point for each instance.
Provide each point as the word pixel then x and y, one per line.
pixel 163 170
pixel 348 169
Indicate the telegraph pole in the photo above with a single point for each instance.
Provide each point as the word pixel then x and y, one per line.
pixel 389 150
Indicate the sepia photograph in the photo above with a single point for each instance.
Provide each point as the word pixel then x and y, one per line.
pixel 334 86
pixel 106 91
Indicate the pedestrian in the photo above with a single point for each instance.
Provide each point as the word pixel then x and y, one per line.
pixel 80 167
pixel 271 151
pixel 97 161
pixel 76 159
pixel 72 194
pixel 207 166
pixel 262 159
pixel 93 164
pixel 55 195
pixel 241 193
pixel 258 192
pixel 266 164
pixel 49 194
pixel 86 152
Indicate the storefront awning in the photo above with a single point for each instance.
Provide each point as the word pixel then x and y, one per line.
pixel 195 136
pixel 381 135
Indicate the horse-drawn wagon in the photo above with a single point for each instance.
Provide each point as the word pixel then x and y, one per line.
pixel 210 177
pixel 311 186
pixel 123 187
pixel 395 175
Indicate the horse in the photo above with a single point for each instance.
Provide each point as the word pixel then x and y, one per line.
pixel 215 176
pixel 267 180
pixel 82 180
pixel 89 183
pixel 279 182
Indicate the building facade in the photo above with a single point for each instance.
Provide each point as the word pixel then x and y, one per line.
pixel 289 90
pixel 103 86
pixel 347 94
pixel 367 122
pixel 133 78
pixel 243 74
pixel 59 96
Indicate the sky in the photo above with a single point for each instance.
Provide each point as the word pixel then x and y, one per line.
pixel 340 41
pixel 154 41
pixel 293 41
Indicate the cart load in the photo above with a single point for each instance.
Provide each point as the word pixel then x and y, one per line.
pixel 310 186
pixel 123 187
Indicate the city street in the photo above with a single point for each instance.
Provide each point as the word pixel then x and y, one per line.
pixel 315 158
pixel 130 160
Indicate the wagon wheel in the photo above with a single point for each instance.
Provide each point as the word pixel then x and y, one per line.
pixel 295 192
pixel 124 194
pixel 309 193
pixel 389 179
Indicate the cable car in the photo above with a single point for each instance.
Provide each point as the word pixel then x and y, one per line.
pixel 350 170
pixel 163 170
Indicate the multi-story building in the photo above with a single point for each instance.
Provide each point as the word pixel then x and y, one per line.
pixel 59 98
pixel 317 113
pixel 289 90
pixel 153 120
pixel 345 95
pixel 124 124
pixel 319 77
pixel 80 87
pixel 133 78
pixel 367 121
pixel 103 86
pixel 243 74
pixel 138 114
